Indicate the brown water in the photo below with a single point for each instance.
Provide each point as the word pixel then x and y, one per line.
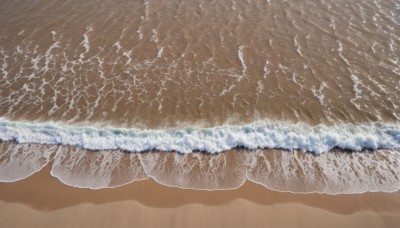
pixel 156 63
pixel 276 70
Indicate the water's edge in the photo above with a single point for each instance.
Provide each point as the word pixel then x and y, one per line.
pixel 336 172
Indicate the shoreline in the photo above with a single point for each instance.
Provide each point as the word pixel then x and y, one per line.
pixel 42 201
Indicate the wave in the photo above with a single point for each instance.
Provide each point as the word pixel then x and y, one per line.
pixel 257 135
pixel 332 173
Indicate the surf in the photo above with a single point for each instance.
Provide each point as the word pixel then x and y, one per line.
pixel 265 134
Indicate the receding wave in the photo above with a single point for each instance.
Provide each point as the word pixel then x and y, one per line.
pixel 335 172
pixel 257 135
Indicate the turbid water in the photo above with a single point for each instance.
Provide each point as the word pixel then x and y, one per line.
pixel 299 96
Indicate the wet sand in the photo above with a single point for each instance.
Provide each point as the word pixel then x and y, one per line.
pixel 42 201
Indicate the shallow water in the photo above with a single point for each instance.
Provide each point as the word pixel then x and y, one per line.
pixel 211 76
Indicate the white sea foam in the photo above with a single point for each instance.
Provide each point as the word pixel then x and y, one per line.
pixel 102 169
pixel 331 173
pixel 356 89
pixel 4 65
pixel 260 87
pixel 139 32
pixel 241 58
pixel 18 161
pixel 318 93
pixel 196 170
pixel 266 70
pixel 160 52
pixel 356 84
pixel 118 46
pixel 85 42
pixel 49 56
pixel 263 134
pixel 154 37
pixel 298 48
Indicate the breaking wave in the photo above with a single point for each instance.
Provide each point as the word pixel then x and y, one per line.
pixel 257 135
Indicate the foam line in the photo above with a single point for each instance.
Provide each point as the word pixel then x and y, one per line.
pixel 262 134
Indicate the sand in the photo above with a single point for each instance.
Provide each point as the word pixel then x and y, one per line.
pixel 42 201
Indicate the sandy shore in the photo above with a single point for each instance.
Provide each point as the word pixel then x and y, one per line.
pixel 42 201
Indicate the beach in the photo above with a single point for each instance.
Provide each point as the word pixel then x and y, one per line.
pixel 42 201
pixel 198 113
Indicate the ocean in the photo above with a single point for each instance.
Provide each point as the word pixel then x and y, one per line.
pixel 298 96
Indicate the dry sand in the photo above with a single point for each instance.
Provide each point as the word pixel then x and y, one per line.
pixel 42 201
